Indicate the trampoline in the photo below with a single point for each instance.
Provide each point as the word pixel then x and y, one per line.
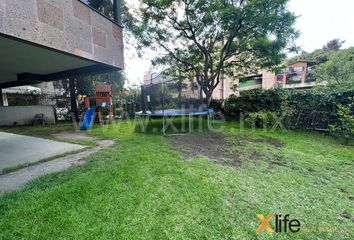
pixel 175 113
pixel 167 98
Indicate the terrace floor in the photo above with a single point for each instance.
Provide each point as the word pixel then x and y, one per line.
pixel 18 149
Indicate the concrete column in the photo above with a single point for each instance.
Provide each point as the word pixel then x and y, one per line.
pixel 117 11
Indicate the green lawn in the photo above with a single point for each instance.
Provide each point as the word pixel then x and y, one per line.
pixel 143 188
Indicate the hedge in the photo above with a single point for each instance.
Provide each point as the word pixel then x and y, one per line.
pixel 298 109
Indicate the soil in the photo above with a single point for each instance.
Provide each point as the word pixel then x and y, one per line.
pixel 225 149
pixel 73 135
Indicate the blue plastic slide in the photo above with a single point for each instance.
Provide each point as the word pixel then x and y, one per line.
pixel 88 119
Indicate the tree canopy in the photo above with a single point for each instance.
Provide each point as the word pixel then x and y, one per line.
pixel 337 73
pixel 333 45
pixel 208 38
pixel 335 66
pixel 319 55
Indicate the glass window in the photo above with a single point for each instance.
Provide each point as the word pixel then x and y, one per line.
pixel 296 78
pixel 103 7
pixel 280 77
pixel 298 69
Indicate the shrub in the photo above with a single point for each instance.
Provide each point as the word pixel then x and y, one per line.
pixel 254 101
pixel 217 105
pixel 297 109
pixel 261 119
pixel 345 126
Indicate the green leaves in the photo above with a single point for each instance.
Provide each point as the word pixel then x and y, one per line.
pixel 209 37
pixel 345 126
pixel 337 73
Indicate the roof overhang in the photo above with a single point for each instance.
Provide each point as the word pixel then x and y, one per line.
pixel 23 63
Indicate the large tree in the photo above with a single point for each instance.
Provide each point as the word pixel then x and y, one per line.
pixel 337 73
pixel 333 45
pixel 319 55
pixel 208 38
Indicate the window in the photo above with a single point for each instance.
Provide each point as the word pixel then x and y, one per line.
pixel 298 69
pixel 280 78
pixel 295 78
pixel 103 7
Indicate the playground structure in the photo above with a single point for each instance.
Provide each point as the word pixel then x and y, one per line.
pixel 102 104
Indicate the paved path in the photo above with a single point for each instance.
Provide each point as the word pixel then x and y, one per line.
pixel 18 149
pixel 14 180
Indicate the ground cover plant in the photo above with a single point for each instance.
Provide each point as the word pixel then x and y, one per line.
pixel 208 185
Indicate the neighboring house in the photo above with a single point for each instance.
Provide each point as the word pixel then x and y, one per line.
pixel 298 75
pixel 263 80
pixel 18 91
pixel 50 40
pixel 154 78
pixel 224 89
pixel 42 89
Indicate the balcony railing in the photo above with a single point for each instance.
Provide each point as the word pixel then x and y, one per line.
pixel 249 83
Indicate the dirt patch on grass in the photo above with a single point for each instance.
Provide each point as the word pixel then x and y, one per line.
pixel 73 135
pixel 225 149
pixel 347 215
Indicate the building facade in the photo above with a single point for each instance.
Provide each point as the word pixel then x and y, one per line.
pixel 42 41
pixel 46 40
pixel 297 75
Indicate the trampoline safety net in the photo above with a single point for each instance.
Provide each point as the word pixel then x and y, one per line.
pixel 171 98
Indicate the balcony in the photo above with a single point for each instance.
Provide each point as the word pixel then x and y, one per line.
pixel 250 84
pixel 46 40
pixel 299 85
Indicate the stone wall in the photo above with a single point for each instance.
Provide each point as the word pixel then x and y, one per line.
pixel 65 25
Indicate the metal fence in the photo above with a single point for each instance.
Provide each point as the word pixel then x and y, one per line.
pixel 16 99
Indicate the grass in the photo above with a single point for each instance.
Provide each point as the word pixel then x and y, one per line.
pixel 142 189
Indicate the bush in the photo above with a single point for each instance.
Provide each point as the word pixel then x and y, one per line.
pixel 297 109
pixel 261 119
pixel 254 101
pixel 217 105
pixel 345 126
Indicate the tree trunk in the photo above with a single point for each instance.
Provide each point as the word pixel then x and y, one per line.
pixel 72 88
pixel 208 96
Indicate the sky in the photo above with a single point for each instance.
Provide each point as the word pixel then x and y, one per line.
pixel 318 22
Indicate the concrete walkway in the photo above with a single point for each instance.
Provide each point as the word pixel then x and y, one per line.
pixel 19 178
pixel 18 149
